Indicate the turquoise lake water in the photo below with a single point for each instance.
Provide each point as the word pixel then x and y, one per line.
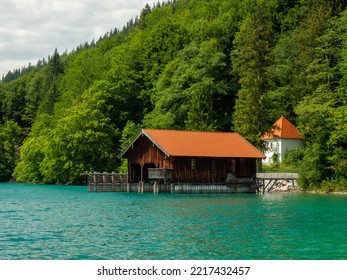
pixel 64 222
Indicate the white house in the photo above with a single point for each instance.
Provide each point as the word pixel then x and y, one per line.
pixel 283 137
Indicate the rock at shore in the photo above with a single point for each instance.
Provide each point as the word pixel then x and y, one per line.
pixel 282 186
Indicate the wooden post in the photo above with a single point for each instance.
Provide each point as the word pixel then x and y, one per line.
pixel 113 181
pixel 104 181
pixel 156 187
pixel 141 187
pixel 95 182
pixel 121 182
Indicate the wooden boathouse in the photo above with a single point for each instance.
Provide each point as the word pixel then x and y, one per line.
pixel 190 162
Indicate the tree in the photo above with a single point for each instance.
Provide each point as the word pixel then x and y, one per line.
pixel 10 139
pixel 129 132
pixel 289 77
pixel 33 151
pixel 315 115
pixel 192 91
pixel 84 68
pixel 145 11
pixel 200 116
pixel 83 140
pixel 322 118
pixel 210 103
pixel 250 58
pixel 51 91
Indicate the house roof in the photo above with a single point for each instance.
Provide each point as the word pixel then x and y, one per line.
pixel 199 144
pixel 283 129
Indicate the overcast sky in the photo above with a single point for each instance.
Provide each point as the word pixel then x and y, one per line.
pixel 31 29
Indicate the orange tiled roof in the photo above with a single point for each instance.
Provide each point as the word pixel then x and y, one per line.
pixel 201 144
pixel 284 129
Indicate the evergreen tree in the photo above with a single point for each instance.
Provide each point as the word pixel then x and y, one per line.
pixel 250 58
pixel 51 89
pixel 145 11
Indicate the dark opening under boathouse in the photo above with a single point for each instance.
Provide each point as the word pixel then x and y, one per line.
pixel 191 162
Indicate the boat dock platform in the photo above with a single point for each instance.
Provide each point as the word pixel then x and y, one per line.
pixel 118 182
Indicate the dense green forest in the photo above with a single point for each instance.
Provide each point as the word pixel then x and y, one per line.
pixel 212 65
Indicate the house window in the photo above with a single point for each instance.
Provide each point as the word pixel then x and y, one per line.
pixel 193 164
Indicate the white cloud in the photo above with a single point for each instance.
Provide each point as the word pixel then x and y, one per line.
pixel 31 30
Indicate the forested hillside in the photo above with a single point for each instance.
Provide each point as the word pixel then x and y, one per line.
pixel 212 65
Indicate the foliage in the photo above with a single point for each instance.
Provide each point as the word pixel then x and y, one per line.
pixel 213 65
pixel 10 137
pixel 129 132
pixel 291 162
pixel 251 57
pixel 192 90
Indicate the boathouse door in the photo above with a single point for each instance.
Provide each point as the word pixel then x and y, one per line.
pixel 135 173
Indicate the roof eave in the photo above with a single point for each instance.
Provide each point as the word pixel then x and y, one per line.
pixel 155 142
pixel 219 156
pixel 261 155
pixel 141 133
pixel 120 156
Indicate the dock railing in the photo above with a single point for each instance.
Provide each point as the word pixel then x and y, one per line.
pixel 160 173
pixel 277 175
pixel 107 182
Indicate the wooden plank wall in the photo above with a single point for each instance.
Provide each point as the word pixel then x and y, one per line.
pixel 144 151
pixel 210 170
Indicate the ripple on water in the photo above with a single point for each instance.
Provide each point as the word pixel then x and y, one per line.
pixel 51 222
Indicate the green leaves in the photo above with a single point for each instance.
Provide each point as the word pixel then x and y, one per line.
pixel 83 140
pixel 251 57
pixel 213 65
pixel 190 90
pixel 10 138
pixel 322 113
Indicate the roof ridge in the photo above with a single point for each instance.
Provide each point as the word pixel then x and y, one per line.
pixel 188 131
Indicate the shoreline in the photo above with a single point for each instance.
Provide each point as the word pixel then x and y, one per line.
pixel 324 192
pixel 287 190
pixel 298 191
pixel 291 187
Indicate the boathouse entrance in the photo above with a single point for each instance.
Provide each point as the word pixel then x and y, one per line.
pixel 135 173
pixel 139 173
pixel 146 167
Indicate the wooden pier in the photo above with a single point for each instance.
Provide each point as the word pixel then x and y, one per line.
pixel 266 181
pixel 107 182
pixel 115 182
